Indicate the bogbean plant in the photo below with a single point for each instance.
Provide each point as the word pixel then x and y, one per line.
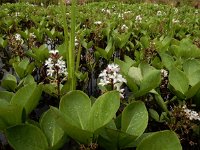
pixel 147 67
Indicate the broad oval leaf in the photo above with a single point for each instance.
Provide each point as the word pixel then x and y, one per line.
pixel 103 110
pixel 9 82
pixel 135 118
pixel 26 137
pixel 27 97
pixel 163 140
pixel 10 115
pixel 55 135
pixel 192 70
pixel 76 106
pixel 113 139
pixel 82 136
pixel 6 95
pixel 178 80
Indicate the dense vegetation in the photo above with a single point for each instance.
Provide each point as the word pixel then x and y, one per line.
pixel 149 53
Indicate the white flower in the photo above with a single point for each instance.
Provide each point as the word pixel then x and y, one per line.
pixel 164 73
pixel 196 12
pixel 124 27
pixel 17 14
pixel 127 12
pixel 76 42
pixel 54 52
pixel 50 72
pixel 138 18
pixel 97 22
pixel 113 67
pixel 55 66
pixel 175 21
pixel 105 11
pixel 121 16
pixel 111 75
pixel 159 13
pixel 18 37
pixel 192 115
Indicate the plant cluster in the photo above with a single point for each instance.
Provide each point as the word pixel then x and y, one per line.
pixel 119 77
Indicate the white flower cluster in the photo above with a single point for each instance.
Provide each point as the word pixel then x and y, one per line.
pixel 192 115
pixel 124 27
pixel 164 73
pixel 76 42
pixel 97 22
pixel 159 13
pixel 106 11
pixel 55 65
pixel 18 38
pixel 175 21
pixel 111 76
pixel 138 18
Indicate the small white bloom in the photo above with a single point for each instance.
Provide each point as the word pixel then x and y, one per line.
pixel 138 18
pixel 196 12
pixel 164 73
pixel 175 21
pixel 54 52
pixel 76 42
pixel 127 12
pixel 121 16
pixel 17 14
pixel 124 27
pixel 159 13
pixel 18 37
pixel 97 22
pixel 192 115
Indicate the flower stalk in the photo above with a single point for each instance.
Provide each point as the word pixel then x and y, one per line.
pixel 70 43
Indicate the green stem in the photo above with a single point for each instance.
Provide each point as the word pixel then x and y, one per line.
pixel 72 47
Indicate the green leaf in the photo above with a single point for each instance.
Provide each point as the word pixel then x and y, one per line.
pixel 167 60
pixel 9 82
pixel 112 139
pixel 55 135
pixel 135 118
pixel 145 41
pixel 150 80
pixel 27 97
pixel 154 115
pixel 163 140
pixel 192 69
pixel 103 110
pixel 76 107
pixel 20 67
pixel 102 52
pixel 135 74
pixel 192 91
pixel 9 114
pixel 178 80
pixel 26 137
pixel 5 95
pixel 74 132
